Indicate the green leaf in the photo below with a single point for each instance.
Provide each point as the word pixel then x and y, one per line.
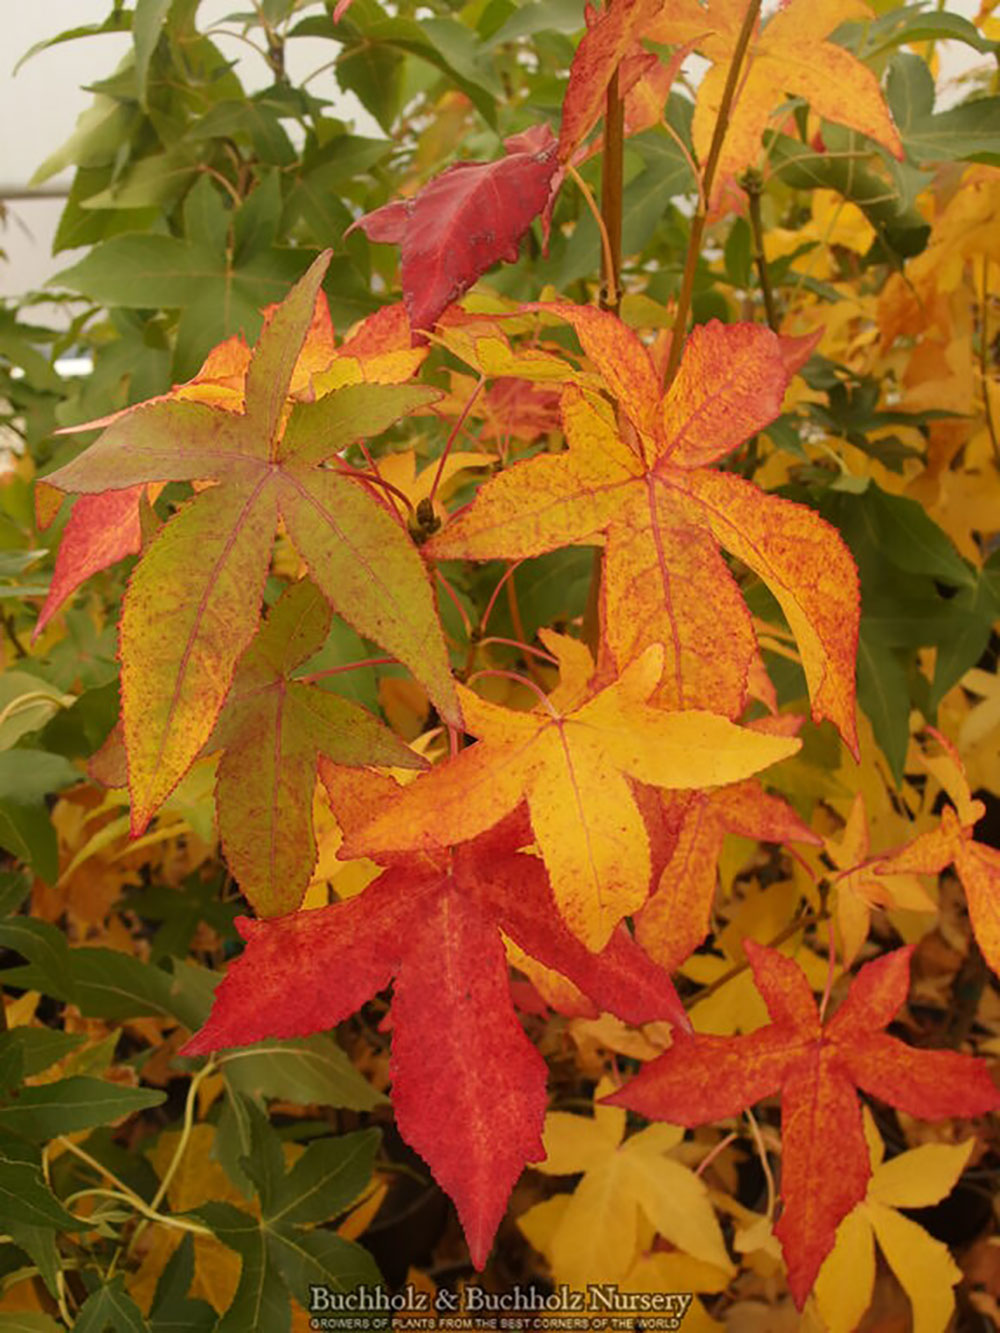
pixel 970 132
pixel 25 1197
pixel 39 1244
pixel 79 731
pixel 374 74
pixel 47 951
pixel 38 1048
pixel 319 1258
pixel 194 598
pixel 899 225
pixel 264 1162
pixel 27 1321
pixel 110 1306
pixel 273 730
pixel 118 20
pixel 218 297
pixel 253 119
pixel 173 1311
pixel 903 532
pixel 154 182
pixel 261 1301
pixel 71 1104
pixel 110 984
pixel 329 1176
pixel 962 650
pixel 14 888
pixel 27 702
pixel 914 23
pixel 539 16
pixel 667 174
pixel 100 131
pixel 147 24
pixel 884 694
pixel 81 226
pixel 26 776
pixel 366 31
pixel 303 1070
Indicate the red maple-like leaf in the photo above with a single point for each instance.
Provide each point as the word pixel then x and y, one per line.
pixel 610 35
pixel 431 922
pixel 463 221
pixel 101 530
pixel 816 1067
pixel 676 917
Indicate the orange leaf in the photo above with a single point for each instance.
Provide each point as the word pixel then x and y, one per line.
pixel 787 55
pixel 645 485
pixel 573 763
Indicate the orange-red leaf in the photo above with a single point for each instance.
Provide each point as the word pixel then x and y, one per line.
pixel 815 1067
pixel 643 483
pixel 676 917
pixel 102 529
pixel 608 37
pixel 459 1056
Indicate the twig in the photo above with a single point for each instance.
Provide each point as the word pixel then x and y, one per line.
pixel 984 350
pixel 753 183
pixel 182 1143
pixel 582 186
pixel 451 438
pixel 611 194
pixel 700 218
pixel 758 1139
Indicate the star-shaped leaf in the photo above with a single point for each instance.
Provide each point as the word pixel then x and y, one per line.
pixel 926 1271
pixel 952 843
pixel 789 54
pixel 193 602
pixel 572 759
pixel 648 486
pixel 596 1238
pixel 282 1249
pixel 432 923
pixel 816 1067
pixel 273 729
pixel 676 917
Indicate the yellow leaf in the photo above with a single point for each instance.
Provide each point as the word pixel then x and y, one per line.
pixel 925 1269
pixel 595 1236
pixel 920 1177
pixel 846 1281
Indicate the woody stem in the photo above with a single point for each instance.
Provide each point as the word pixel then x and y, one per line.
pixel 700 219
pixel 611 195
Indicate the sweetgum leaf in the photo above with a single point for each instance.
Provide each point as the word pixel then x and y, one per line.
pixel 573 764
pixel 433 922
pixel 675 919
pixel 601 49
pixel 273 729
pixel 460 224
pixel 194 599
pixel 102 529
pixel 665 512
pixel 816 1068
pixel 787 54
